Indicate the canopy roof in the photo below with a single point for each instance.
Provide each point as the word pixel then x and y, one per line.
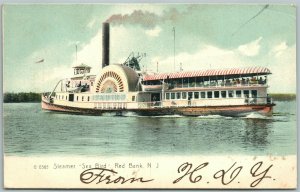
pixel 82 65
pixel 212 72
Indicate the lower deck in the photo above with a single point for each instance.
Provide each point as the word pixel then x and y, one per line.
pixel 184 101
pixel 155 109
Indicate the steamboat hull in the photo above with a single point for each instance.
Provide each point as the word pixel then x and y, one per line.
pixel 233 111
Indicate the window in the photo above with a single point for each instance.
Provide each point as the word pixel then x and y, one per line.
pixel 192 82
pixel 196 95
pixel 190 94
pixel 230 93
pixel 67 98
pixel 82 98
pixel 216 94
pixel 238 93
pixel 254 93
pixel 246 93
pixel 172 95
pixel 133 98
pixel 88 99
pixel 185 82
pixel 199 81
pixel 202 94
pixel 183 95
pixel 223 94
pixel 209 94
pixel 178 95
pixel 178 83
pixel 167 96
pixel 77 98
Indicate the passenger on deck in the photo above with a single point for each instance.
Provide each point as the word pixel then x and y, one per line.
pixel 243 81
pixel 233 81
pixel 265 81
pixel 222 83
pixel 227 82
pixel 189 101
pixel 261 81
pixel 253 80
pixel 247 81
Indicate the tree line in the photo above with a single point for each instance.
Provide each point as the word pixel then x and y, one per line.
pixel 283 96
pixel 21 97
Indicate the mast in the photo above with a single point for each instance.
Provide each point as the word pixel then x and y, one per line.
pixel 174 49
pixel 76 53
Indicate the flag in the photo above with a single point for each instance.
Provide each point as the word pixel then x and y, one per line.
pixel 40 61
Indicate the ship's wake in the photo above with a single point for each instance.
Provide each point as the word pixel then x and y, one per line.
pixel 256 116
pixel 168 116
pixel 213 117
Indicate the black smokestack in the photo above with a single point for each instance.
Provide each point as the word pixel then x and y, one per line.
pixel 105 44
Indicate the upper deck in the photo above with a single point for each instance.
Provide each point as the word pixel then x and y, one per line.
pixel 211 79
pixel 218 73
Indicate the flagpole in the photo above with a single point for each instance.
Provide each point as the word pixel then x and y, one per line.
pixel 174 49
pixel 76 53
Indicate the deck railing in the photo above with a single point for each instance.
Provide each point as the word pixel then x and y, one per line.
pixel 216 85
pixel 181 103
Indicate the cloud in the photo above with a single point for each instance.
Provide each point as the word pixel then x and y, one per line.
pixel 90 53
pixel 279 49
pixel 153 32
pixel 283 68
pixel 250 49
pixel 207 57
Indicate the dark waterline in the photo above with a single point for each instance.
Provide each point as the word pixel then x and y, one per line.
pixel 28 130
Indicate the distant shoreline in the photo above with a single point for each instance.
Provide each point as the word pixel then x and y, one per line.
pixel 32 97
pixel 22 97
pixel 283 96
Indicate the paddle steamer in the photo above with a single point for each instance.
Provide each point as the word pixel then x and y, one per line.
pixel 123 88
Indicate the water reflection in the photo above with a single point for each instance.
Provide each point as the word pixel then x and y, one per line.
pixel 256 133
pixel 194 135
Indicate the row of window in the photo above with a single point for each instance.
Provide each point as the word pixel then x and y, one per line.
pixel 83 98
pixel 210 81
pixel 62 97
pixel 116 97
pixel 211 94
pixel 109 97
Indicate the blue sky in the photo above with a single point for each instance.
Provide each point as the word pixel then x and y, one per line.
pixel 208 36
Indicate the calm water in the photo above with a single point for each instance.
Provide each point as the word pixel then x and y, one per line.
pixel 30 131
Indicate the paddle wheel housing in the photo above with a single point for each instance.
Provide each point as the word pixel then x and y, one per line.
pixel 116 78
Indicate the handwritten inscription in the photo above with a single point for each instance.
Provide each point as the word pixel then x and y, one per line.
pixel 186 167
pixel 107 176
pixel 227 176
pixel 257 173
pixel 234 172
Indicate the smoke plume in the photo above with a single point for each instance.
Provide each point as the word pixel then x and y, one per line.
pixel 145 19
